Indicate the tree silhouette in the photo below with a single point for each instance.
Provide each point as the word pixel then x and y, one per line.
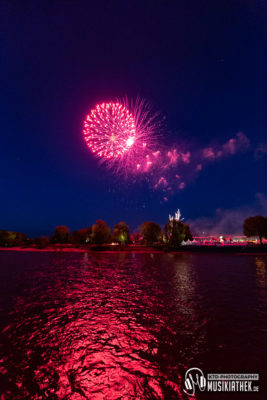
pixel 61 235
pixel 82 236
pixel 255 226
pixel 121 233
pixel 151 232
pixel 175 232
pixel 100 232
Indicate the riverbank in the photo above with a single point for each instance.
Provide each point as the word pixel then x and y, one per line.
pixel 228 249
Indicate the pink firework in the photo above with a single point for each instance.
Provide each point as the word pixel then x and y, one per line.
pixel 109 130
pixel 121 133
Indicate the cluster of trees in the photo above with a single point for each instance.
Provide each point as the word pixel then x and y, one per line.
pixel 256 226
pixel 150 233
pixel 174 233
pixel 11 238
pixel 98 233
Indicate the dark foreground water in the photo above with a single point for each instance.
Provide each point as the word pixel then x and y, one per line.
pixel 127 326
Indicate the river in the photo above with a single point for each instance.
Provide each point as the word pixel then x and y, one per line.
pixel 125 326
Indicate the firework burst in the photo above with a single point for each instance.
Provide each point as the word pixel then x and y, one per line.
pixel 123 134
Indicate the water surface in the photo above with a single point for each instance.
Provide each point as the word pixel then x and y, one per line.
pixel 127 326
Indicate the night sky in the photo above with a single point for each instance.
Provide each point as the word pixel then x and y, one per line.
pixel 201 63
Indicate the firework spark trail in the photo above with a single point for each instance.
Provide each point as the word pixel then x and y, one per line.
pixel 125 136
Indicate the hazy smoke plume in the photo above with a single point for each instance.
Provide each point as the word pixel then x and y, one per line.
pixel 228 221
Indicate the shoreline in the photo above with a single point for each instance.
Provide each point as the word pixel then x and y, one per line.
pixel 256 250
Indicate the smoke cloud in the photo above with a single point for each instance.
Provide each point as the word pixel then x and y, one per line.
pixel 228 221
pixel 230 148
pixel 174 169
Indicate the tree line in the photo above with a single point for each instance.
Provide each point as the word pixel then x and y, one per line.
pixel 100 233
pixel 150 233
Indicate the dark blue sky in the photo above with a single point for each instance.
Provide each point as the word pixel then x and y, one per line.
pixel 202 63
